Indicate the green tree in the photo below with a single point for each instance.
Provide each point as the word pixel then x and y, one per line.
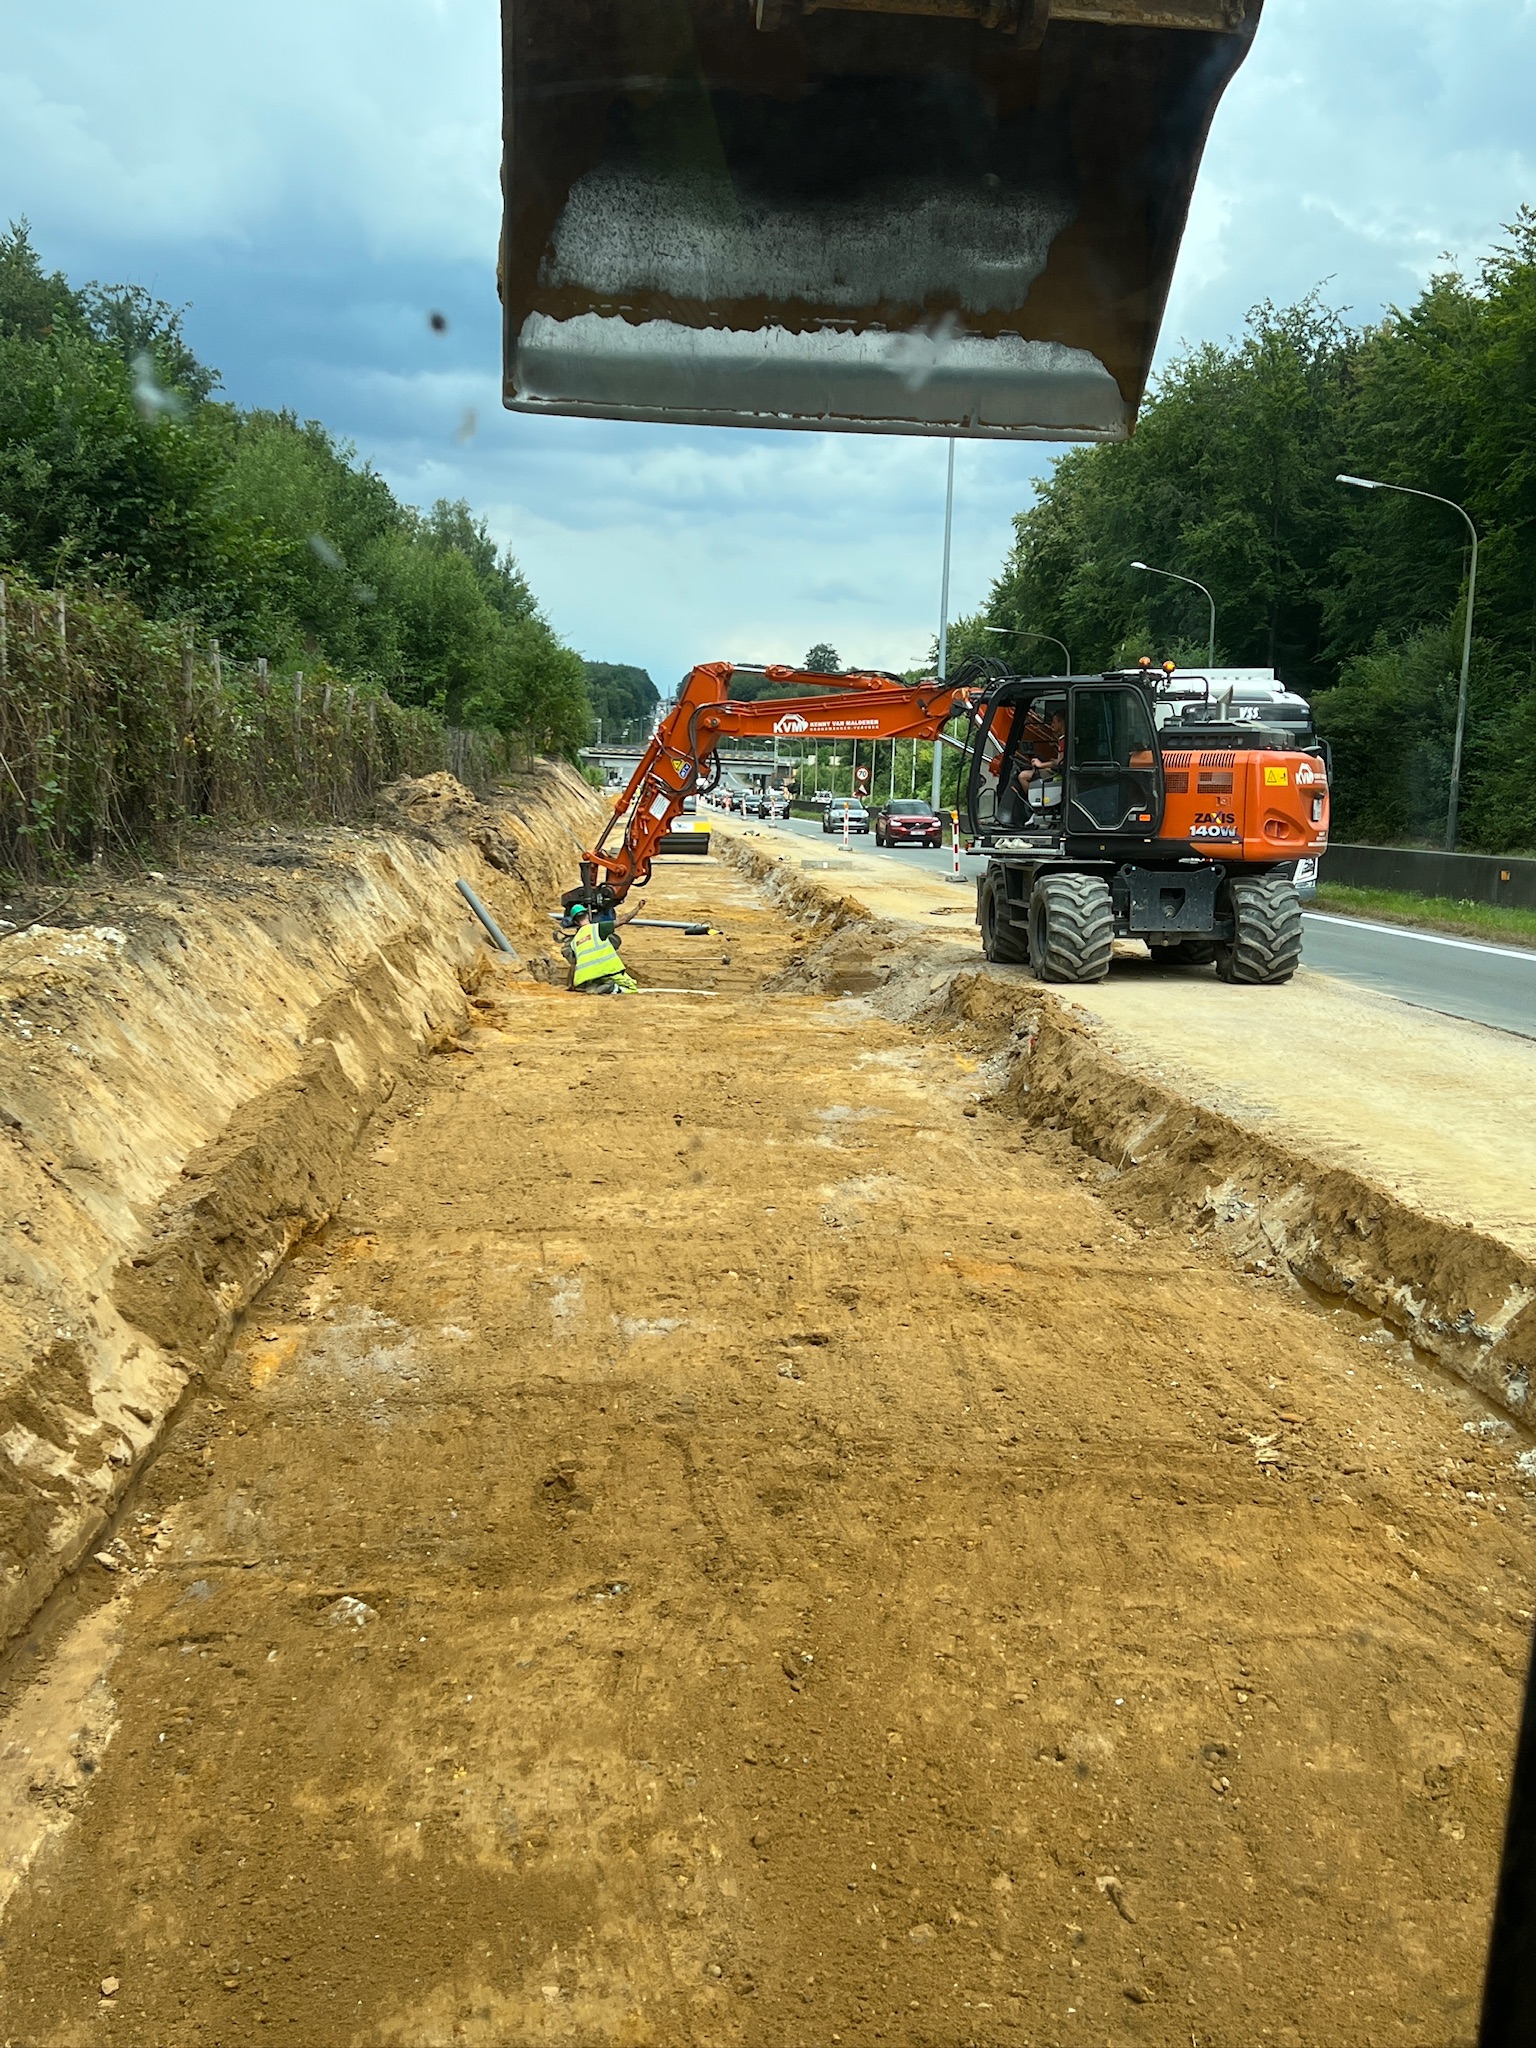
pixel 623 698
pixel 822 660
pixel 1353 597
pixel 1229 480
pixel 119 467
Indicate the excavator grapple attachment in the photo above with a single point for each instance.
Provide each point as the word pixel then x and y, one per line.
pixel 912 216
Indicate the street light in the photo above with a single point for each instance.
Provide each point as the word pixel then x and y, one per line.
pixel 1453 808
pixel 1173 576
pixel 949 522
pixel 1028 633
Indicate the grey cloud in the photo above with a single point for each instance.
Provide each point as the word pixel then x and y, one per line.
pixel 314 179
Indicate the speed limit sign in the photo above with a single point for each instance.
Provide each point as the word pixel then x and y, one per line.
pixel 861 780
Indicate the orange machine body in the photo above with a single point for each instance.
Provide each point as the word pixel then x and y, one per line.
pixel 1245 808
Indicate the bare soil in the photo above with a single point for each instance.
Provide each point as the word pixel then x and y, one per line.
pixel 1435 1109
pixel 729 1537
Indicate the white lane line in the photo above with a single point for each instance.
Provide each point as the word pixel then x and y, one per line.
pixel 1403 931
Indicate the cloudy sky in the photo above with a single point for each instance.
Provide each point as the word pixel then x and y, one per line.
pixel 312 177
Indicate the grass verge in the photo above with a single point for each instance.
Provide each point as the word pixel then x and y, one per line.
pixel 1501 923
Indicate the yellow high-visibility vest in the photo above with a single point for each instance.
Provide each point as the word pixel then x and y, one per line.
pixel 596 957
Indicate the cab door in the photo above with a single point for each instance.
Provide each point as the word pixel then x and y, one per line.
pixel 1114 768
pixel 1012 776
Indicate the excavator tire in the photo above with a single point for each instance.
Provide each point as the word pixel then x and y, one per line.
pixel 1265 947
pixel 1184 953
pixel 1071 928
pixel 1000 940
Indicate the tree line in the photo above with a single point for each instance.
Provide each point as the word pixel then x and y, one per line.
pixel 123 471
pixel 1355 597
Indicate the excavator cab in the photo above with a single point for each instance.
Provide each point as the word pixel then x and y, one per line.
pixel 911 216
pixel 1050 758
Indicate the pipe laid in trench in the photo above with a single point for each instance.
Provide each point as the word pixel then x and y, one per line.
pixel 498 937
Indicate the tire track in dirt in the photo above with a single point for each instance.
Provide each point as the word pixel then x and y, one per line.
pixel 725 1539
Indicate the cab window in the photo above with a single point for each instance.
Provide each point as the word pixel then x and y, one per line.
pixel 1016 778
pixel 1112 758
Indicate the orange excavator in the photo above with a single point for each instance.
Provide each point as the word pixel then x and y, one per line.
pixel 1127 805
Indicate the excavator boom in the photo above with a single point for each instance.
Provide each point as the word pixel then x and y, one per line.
pixel 683 756
pixel 912 216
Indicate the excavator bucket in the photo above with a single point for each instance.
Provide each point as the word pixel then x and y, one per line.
pixel 908 216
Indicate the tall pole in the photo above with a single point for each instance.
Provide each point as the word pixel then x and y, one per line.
pixel 949 523
pixel 1174 577
pixel 1453 805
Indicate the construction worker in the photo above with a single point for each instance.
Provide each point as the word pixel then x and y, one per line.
pixel 1038 779
pixel 597 967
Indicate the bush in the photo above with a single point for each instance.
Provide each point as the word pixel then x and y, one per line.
pixel 116 731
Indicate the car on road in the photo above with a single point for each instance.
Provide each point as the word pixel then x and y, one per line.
pixel 908 821
pixel 845 807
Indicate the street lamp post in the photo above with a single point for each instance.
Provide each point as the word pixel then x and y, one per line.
pixel 1453 807
pixel 1173 576
pixel 949 521
pixel 1028 633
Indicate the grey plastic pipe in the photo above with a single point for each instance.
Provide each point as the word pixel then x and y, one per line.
pixel 499 938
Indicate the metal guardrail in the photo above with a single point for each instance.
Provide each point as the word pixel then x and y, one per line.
pixel 1466 877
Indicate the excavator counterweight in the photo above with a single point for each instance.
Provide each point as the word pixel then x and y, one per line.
pixel 918 216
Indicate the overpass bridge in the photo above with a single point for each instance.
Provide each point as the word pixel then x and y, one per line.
pixel 743 764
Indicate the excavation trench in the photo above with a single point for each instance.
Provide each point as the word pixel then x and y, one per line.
pixel 718 1529
pixel 1463 1295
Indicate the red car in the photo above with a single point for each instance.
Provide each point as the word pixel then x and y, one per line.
pixel 908 821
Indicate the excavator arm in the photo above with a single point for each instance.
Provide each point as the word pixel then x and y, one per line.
pixel 683 757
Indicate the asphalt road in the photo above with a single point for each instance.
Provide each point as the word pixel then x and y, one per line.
pixel 1459 977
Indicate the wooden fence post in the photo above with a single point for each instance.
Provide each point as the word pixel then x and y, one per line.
pixel 184 723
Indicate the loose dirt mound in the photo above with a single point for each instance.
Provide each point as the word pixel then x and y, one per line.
pixel 449 815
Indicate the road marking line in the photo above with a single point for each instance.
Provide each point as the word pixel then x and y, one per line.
pixel 1403 931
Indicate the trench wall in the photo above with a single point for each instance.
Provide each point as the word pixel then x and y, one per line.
pixel 181 1087
pixel 1456 1292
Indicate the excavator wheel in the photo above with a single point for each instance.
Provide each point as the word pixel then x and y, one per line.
pixel 1184 953
pixel 1071 928
pixel 1000 941
pixel 1265 947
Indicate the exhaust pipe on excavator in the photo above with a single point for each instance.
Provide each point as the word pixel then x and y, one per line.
pixel 911 216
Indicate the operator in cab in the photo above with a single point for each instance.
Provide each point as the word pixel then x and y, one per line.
pixel 597 966
pixel 1037 779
